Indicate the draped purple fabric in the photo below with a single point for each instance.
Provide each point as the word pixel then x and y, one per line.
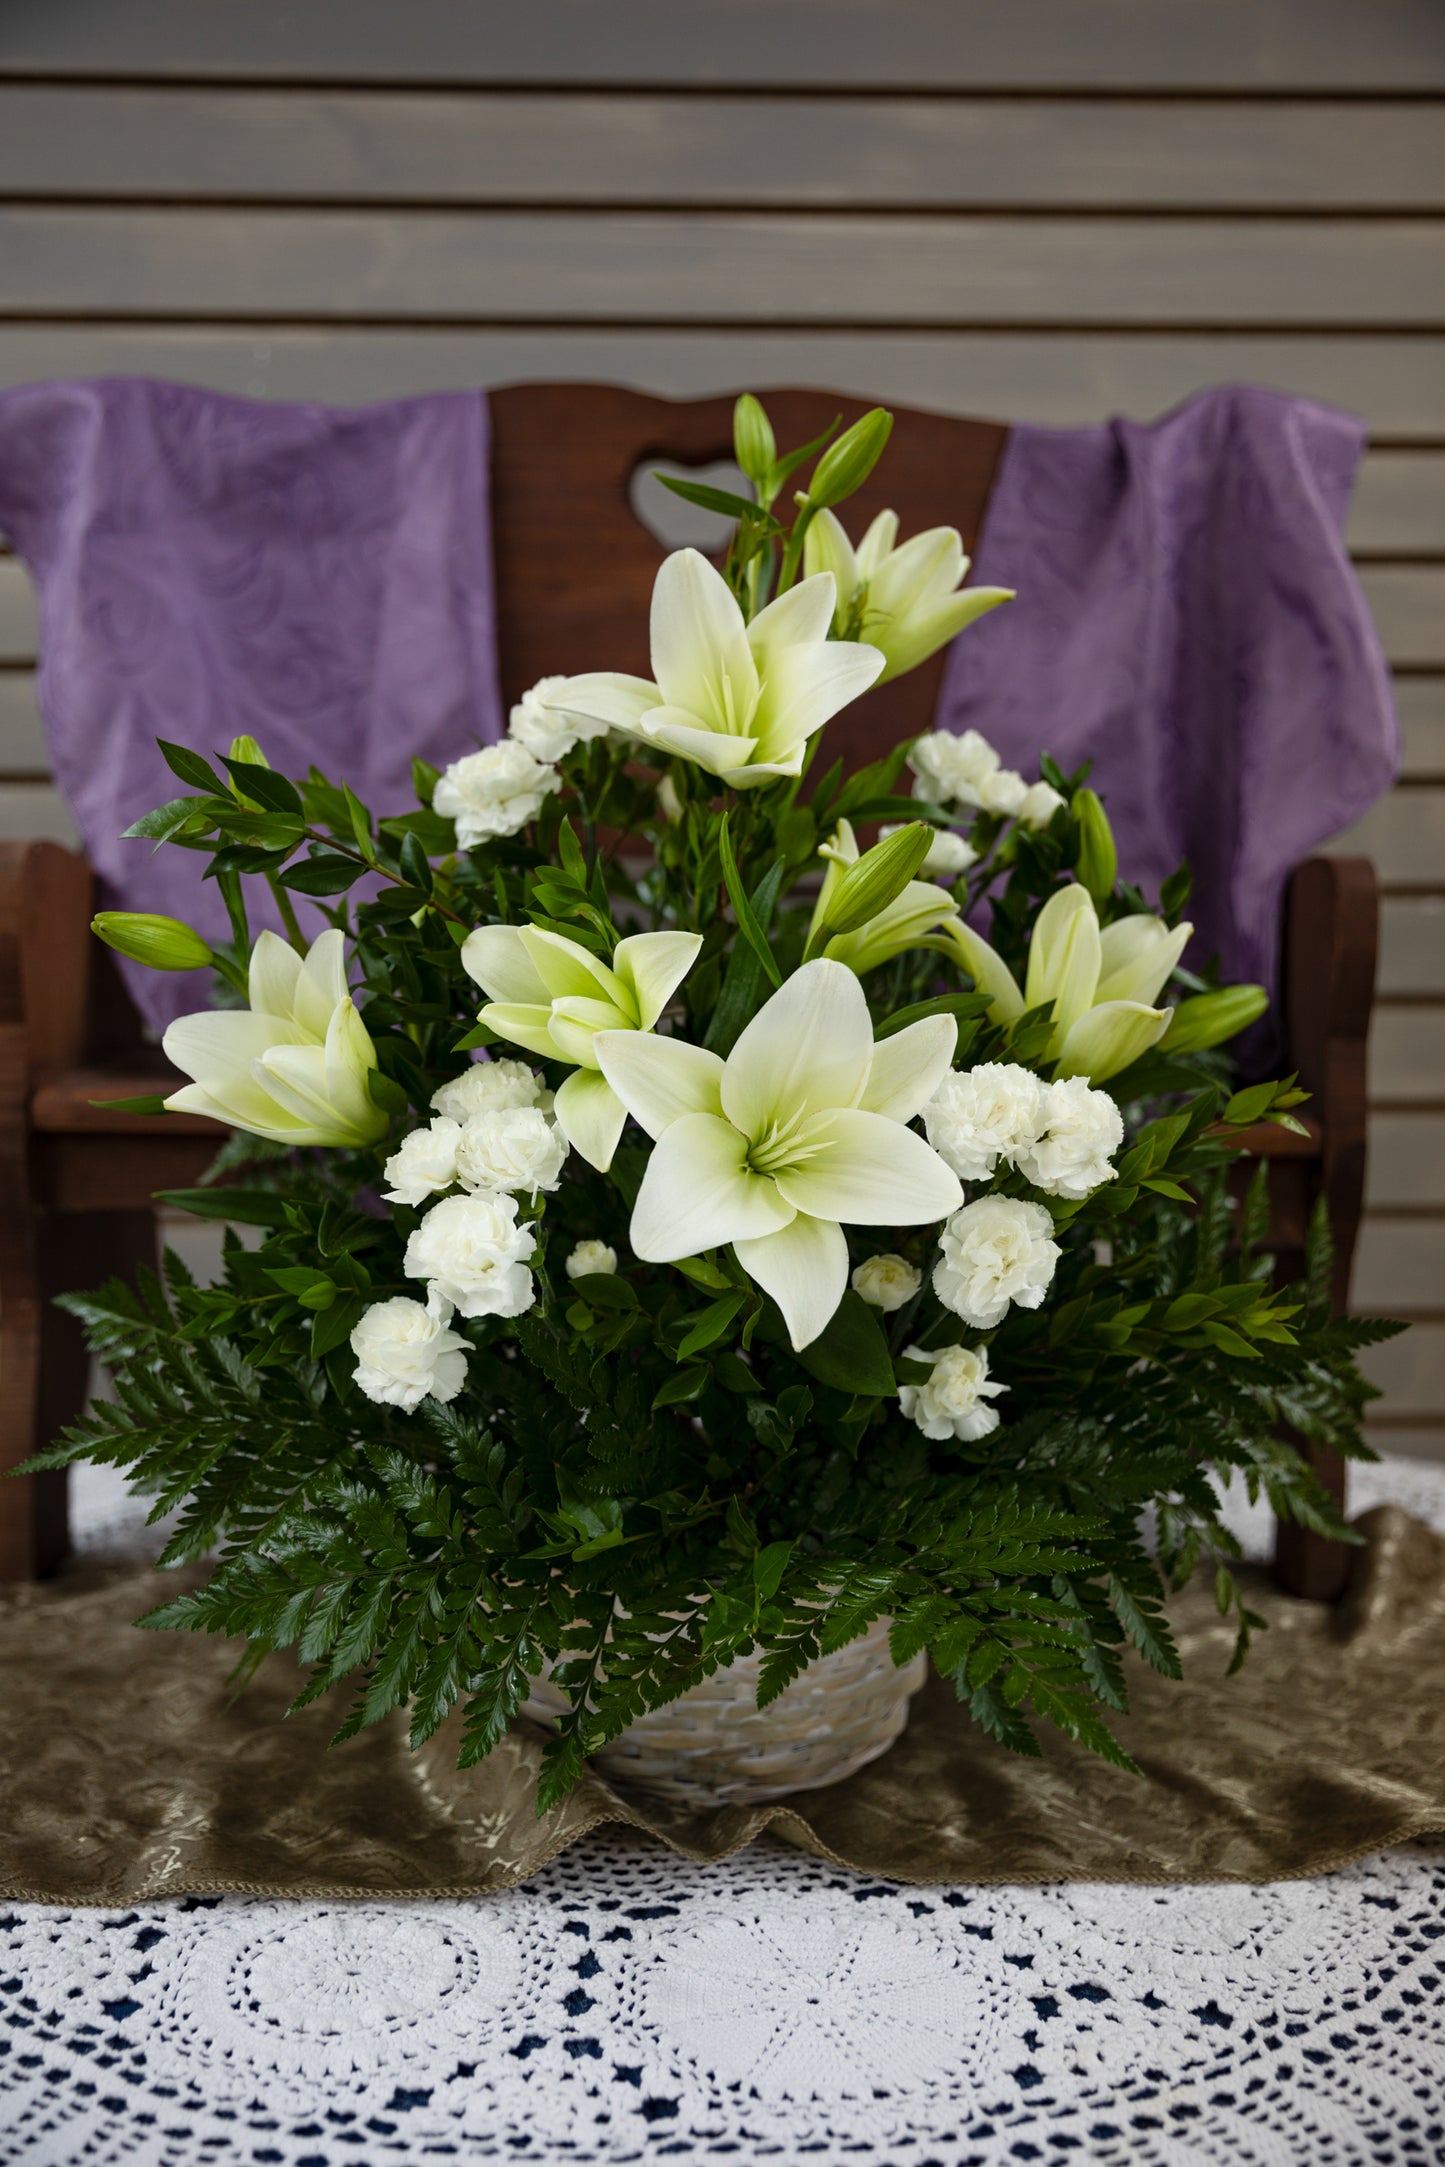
pixel 1187 618
pixel 319 578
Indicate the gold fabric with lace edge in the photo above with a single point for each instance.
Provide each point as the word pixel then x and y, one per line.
pixel 124 1774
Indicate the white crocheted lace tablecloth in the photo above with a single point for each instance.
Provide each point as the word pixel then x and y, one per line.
pixel 625 2005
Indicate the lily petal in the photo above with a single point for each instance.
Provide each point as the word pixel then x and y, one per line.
pixel 799 618
pixel 575 1023
pixel 1109 1037
pixel 495 956
pixel 566 968
pixel 826 548
pixel 322 983
pixel 906 644
pixel 608 696
pixel 700 653
pixel 1064 954
pixel 652 966
pixel 273 977
pixel 523 1024
pixel 909 1067
pixel 805 688
pixel 868 1171
pixel 1137 955
pixel 810 1046
pixel 295 1076
pixel 591 1116
pixel 987 969
pixel 659 1079
pixel 699 1191
pixel 804 1267
pixel 221 1044
pixel 675 730
pixel 879 539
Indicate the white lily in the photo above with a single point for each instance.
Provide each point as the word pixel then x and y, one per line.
pixel 802 1129
pixel 553 996
pixel 1101 984
pixel 738 699
pixel 291 1067
pixel 907 599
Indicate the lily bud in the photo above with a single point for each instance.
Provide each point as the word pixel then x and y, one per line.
pixel 1211 1018
pixel 878 877
pixel 847 464
pixel 839 853
pixel 246 749
pixel 1098 862
pixel 162 944
pixel 912 920
pixel 754 444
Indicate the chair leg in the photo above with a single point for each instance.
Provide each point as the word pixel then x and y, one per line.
pixel 1305 1563
pixel 44 1368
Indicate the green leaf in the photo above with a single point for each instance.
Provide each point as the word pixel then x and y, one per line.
pixel 325 872
pixel 710 1323
pixel 718 500
pixel 748 924
pixel 263 786
pixel 148 1103
pixel 739 997
pixel 851 1352
pixel 245 1207
pixel 166 820
pixel 686 1385
pixel 965 1006
pixel 769 1567
pixel 190 767
pixel 414 862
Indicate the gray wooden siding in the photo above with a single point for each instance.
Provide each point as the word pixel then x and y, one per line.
pixel 1037 211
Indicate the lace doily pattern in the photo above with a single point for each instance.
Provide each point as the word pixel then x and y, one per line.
pixel 627 2006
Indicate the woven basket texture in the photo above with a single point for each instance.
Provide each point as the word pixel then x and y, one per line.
pixel 714 1746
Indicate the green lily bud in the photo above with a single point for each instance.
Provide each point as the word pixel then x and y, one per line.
pixel 846 465
pixel 163 944
pixel 246 749
pixel 1098 863
pixel 754 445
pixel 879 877
pixel 1210 1018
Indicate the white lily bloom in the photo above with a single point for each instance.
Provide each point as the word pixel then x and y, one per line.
pixel 740 700
pixel 909 596
pixel 1101 984
pixel 553 996
pixel 291 1067
pixel 799 1131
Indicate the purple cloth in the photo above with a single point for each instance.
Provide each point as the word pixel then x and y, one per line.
pixel 319 578
pixel 1187 618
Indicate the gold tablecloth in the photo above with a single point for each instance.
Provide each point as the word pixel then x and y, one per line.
pixel 125 1773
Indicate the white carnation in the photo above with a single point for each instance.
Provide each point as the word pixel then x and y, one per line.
pixel 475 1256
pixel 510 1147
pixel 886 1282
pixel 954 1402
pixel 405 1353
pixel 952 770
pixel 997 1251
pixel 1080 1128
pixel 494 792
pixel 423 1164
pixel 948 854
pixel 589 1257
pixel 542 722
pixel 1038 805
pixel 1003 791
pixel 485 1085
pixel 980 1115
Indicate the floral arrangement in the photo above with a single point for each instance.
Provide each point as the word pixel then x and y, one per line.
pixel 676 1229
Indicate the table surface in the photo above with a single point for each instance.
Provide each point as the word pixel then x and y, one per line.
pixel 626 2005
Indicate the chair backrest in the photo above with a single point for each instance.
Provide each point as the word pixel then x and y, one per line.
pixel 575 565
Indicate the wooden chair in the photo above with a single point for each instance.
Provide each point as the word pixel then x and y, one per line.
pixel 574 573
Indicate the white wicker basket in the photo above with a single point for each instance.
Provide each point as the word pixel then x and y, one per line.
pixel 715 1747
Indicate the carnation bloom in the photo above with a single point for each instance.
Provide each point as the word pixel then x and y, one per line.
pixel 997 1251
pixel 952 769
pixel 980 1115
pixel 740 700
pixel 494 792
pixel 1100 985
pixel 589 1257
pixel 423 1163
pixel 886 1282
pixel 510 1147
pixel 1038 805
pixel 800 1130
pixel 487 1085
pixel 405 1353
pixel 553 996
pixel 542 722
pixel 907 598
pixel 474 1255
pixel 293 1066
pixel 1080 1128
pixel 954 1401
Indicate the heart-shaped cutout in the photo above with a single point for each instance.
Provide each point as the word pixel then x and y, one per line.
pixel 670 519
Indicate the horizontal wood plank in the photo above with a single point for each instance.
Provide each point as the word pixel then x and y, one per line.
pixel 1408 605
pixel 722 268
pixel 18 625
pixel 1412 944
pixel 948 153
pixel 1407 1161
pixel 1398 383
pixel 1421 705
pixel 1399 504
pixel 1404 834
pixel 1399 1267
pixel 1231 44
pixel 1410 1371
pixel 34 809
pixel 22 740
pixel 1407 1057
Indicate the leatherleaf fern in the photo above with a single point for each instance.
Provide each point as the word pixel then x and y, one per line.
pixel 793 1256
